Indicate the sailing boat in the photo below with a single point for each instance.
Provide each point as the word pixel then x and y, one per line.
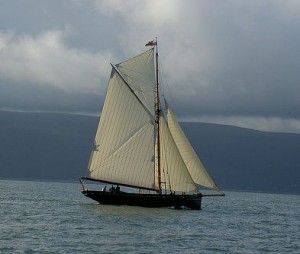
pixel 138 146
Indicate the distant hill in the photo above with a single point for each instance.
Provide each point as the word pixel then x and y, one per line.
pixel 57 147
pixel 244 159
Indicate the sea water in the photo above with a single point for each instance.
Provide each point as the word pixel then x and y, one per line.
pixel 49 217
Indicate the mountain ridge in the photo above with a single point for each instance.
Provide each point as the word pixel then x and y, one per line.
pixel 56 146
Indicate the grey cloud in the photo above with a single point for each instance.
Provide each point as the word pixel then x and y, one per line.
pixel 14 96
pixel 46 60
pixel 220 58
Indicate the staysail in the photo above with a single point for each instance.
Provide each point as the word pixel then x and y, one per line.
pixel 175 174
pixel 191 160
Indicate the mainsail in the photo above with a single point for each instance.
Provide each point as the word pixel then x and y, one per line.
pixel 126 139
pixel 124 142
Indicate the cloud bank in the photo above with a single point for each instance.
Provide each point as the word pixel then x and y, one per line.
pixel 45 60
pixel 224 61
pixel 227 62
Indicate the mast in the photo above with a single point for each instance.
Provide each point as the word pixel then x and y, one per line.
pixel 157 115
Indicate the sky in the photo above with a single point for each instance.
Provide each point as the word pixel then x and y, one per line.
pixel 230 62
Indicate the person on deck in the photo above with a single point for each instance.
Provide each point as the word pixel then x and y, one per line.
pixel 112 189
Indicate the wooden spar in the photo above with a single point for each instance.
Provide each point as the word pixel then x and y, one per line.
pixel 213 195
pixel 111 182
pixel 157 114
pixel 131 90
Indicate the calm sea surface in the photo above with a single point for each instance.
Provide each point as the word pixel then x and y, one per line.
pixel 46 217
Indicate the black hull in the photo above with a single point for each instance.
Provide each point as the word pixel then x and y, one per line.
pixel 145 200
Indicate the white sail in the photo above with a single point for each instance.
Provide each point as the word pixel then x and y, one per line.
pixel 189 156
pixel 124 142
pixel 139 73
pixel 173 169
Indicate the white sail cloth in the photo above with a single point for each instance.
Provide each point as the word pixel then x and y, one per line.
pixel 124 142
pixel 192 162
